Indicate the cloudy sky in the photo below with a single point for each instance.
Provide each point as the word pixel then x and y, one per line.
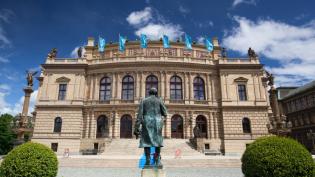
pixel 282 32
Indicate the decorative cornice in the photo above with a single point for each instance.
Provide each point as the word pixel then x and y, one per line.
pixel 63 79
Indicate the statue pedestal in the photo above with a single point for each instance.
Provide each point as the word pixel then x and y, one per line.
pixel 153 172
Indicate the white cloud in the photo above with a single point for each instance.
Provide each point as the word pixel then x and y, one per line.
pixel 238 2
pixel 183 9
pixel 200 39
pixel 292 46
pixel 16 108
pixel 74 52
pixel 140 17
pixel 154 26
pixel 5 16
pixel 156 31
pixel 3 60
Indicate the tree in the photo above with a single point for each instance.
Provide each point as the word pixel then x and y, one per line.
pixel 6 134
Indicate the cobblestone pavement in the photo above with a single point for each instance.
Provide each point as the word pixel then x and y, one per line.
pixel 134 172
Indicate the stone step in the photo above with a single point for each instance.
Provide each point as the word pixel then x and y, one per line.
pixel 133 163
pixel 130 147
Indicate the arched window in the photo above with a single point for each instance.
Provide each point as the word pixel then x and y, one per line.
pixel 201 123
pixel 127 88
pixel 102 127
pixel 151 81
pixel 199 88
pixel 105 88
pixel 176 88
pixel 57 125
pixel 246 125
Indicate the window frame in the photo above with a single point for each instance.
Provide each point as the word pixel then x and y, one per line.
pixel 105 89
pixel 178 92
pixel 57 125
pixel 62 93
pixel 199 88
pixel 151 83
pixel 129 91
pixel 247 129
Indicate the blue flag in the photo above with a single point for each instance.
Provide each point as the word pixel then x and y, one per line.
pixel 101 44
pixel 144 41
pixel 122 42
pixel 166 42
pixel 188 42
pixel 208 44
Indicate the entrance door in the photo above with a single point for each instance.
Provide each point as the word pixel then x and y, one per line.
pixel 177 127
pixel 126 126
pixel 201 122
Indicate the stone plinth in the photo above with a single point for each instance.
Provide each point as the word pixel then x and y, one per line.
pixel 154 172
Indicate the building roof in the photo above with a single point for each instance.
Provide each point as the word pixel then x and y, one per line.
pixel 299 90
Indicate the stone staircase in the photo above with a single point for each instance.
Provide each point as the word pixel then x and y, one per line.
pixel 129 148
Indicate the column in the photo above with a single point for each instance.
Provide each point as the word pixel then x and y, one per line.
pixel 254 87
pixel 142 86
pixel 215 122
pixel 137 87
pixel 187 126
pixel 223 88
pixel 192 124
pixel 168 126
pixel 118 83
pixel 186 89
pixel 97 87
pixel 167 88
pixel 113 86
pixel 191 88
pixel 211 125
pixel 208 88
pixel 162 85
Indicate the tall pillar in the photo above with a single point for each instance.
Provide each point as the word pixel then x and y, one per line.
pixel 167 88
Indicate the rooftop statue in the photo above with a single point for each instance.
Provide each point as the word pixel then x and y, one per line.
pixel 52 53
pixel 251 53
pixel 80 52
pixel 270 78
pixel 149 126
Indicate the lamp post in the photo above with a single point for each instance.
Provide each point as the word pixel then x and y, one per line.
pixel 311 136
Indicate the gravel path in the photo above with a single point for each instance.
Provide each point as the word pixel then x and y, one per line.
pixel 133 172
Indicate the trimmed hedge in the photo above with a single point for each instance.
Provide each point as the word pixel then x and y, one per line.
pixel 277 157
pixel 30 160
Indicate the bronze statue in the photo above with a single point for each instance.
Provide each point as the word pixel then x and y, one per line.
pixel 149 125
pixel 251 53
pixel 80 52
pixel 52 53
pixel 29 77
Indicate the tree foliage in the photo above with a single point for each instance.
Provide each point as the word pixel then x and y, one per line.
pixel 277 157
pixel 7 136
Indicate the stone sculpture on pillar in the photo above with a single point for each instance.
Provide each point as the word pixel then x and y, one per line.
pixel 28 90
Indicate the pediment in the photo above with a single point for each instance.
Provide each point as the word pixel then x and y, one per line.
pixel 63 79
pixel 241 79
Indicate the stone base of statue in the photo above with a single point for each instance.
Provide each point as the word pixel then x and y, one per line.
pixel 153 172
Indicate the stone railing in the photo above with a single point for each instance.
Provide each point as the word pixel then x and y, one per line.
pixel 239 61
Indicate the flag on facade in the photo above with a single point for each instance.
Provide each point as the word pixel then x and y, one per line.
pixel 166 42
pixel 208 44
pixel 122 42
pixel 144 41
pixel 188 42
pixel 101 44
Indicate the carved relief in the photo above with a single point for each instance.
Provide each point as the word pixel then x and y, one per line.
pixel 63 79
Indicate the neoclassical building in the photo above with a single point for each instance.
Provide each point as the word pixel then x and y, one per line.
pixel 85 102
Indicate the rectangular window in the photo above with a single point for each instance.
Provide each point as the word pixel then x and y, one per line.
pixel 242 92
pixel 54 147
pixel 62 91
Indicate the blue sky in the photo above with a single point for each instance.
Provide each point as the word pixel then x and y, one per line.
pixel 282 32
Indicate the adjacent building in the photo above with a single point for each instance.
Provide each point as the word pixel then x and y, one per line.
pixel 84 102
pixel 298 105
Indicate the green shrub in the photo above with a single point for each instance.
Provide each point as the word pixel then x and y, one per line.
pixel 277 157
pixel 30 160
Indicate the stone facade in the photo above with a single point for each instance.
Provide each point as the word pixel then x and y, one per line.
pixel 299 108
pixel 219 110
